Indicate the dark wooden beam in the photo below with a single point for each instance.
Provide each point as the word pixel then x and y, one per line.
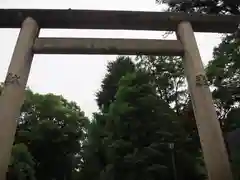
pixel 107 46
pixel 133 20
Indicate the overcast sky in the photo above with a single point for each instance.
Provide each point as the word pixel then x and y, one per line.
pixel 78 77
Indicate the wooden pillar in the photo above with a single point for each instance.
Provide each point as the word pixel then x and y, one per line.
pixel 214 150
pixel 13 93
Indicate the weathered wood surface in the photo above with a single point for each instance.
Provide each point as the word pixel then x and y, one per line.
pixel 107 46
pixel 13 93
pixel 211 138
pixel 102 19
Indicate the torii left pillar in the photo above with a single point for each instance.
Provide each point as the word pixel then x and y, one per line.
pixel 13 93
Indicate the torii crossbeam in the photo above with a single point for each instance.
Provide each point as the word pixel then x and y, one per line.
pixel 129 20
pixel 31 20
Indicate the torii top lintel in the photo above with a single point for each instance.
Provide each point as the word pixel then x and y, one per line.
pixel 132 20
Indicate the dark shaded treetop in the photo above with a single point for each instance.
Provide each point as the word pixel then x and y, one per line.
pixel 115 71
pixel 206 6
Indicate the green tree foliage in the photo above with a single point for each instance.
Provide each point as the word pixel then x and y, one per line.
pixel 115 70
pixel 140 127
pixel 52 128
pixel 206 6
pixel 133 132
pixel 168 77
pixel 22 164
pixel 94 151
pixel 224 73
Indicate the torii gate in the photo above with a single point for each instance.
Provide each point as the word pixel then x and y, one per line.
pixel 31 20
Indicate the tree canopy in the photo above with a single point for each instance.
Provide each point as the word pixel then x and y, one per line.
pixel 48 138
pixel 206 6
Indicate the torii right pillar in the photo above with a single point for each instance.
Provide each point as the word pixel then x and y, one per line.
pixel 212 142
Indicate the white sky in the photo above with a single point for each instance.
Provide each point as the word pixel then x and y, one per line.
pixel 78 77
